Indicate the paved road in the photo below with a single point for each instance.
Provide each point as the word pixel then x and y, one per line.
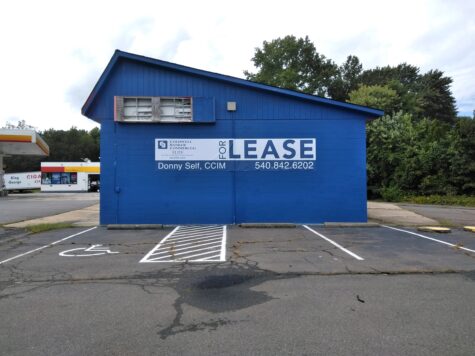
pixel 19 207
pixel 281 291
pixel 458 216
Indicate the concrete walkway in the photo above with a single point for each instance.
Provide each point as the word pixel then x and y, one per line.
pixel 385 213
pixel 391 214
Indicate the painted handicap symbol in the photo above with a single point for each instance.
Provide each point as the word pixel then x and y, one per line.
pixel 94 250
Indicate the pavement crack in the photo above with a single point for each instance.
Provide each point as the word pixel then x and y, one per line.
pixel 310 261
pixel 359 299
pixel 176 326
pixel 329 252
pixel 249 264
pixel 376 270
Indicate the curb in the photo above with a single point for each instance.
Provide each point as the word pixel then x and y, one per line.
pixel 266 225
pixel 336 224
pixel 136 226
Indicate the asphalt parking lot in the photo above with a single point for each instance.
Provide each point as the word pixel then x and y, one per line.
pixel 231 290
pixel 25 206
pixel 447 215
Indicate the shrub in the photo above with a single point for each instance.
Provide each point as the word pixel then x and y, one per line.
pixel 391 193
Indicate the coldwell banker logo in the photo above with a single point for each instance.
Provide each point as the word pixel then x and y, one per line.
pixel 162 144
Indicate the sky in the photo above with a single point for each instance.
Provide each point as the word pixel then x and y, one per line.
pixel 53 52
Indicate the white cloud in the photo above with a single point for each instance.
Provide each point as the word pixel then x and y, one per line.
pixel 53 52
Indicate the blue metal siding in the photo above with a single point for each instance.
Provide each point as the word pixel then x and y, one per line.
pixel 134 79
pixel 334 191
pixel 134 191
pixel 109 199
pixel 151 196
pixel 203 109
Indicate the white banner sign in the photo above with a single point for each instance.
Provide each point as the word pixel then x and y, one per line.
pixel 235 149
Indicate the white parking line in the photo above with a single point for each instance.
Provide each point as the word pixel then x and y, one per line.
pixel 187 227
pixel 201 254
pixel 209 241
pixel 223 246
pixel 184 231
pixel 194 241
pixel 213 233
pixel 207 258
pixel 429 238
pixel 335 244
pixel 187 248
pixel 45 246
pixel 184 253
pixel 201 228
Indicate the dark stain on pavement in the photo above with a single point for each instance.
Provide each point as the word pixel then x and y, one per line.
pixel 469 275
pixel 217 289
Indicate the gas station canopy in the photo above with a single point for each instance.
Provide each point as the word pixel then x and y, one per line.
pixel 22 142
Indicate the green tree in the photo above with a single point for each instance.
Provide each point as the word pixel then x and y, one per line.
pixel 402 78
pixel 462 173
pixel 434 97
pixel 406 74
pixel 427 159
pixel 387 139
pixel 346 80
pixel 293 63
pixel 95 133
pixel 376 96
pixel 424 95
pixel 421 157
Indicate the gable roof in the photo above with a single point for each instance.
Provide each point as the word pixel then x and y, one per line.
pixel 371 112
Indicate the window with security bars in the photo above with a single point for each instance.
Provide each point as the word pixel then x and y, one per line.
pixel 137 109
pixel 153 109
pixel 175 109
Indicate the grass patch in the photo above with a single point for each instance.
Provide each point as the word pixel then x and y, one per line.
pixel 461 200
pixel 447 223
pixel 34 229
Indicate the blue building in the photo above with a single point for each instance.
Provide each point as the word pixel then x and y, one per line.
pixel 181 145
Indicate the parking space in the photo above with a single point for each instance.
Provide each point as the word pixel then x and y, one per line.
pixel 283 250
pixel 80 253
pixel 39 256
pixel 395 250
pixel 315 249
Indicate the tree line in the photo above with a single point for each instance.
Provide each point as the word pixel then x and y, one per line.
pixel 73 145
pixel 420 146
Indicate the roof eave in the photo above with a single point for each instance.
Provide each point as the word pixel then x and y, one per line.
pixel 97 87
